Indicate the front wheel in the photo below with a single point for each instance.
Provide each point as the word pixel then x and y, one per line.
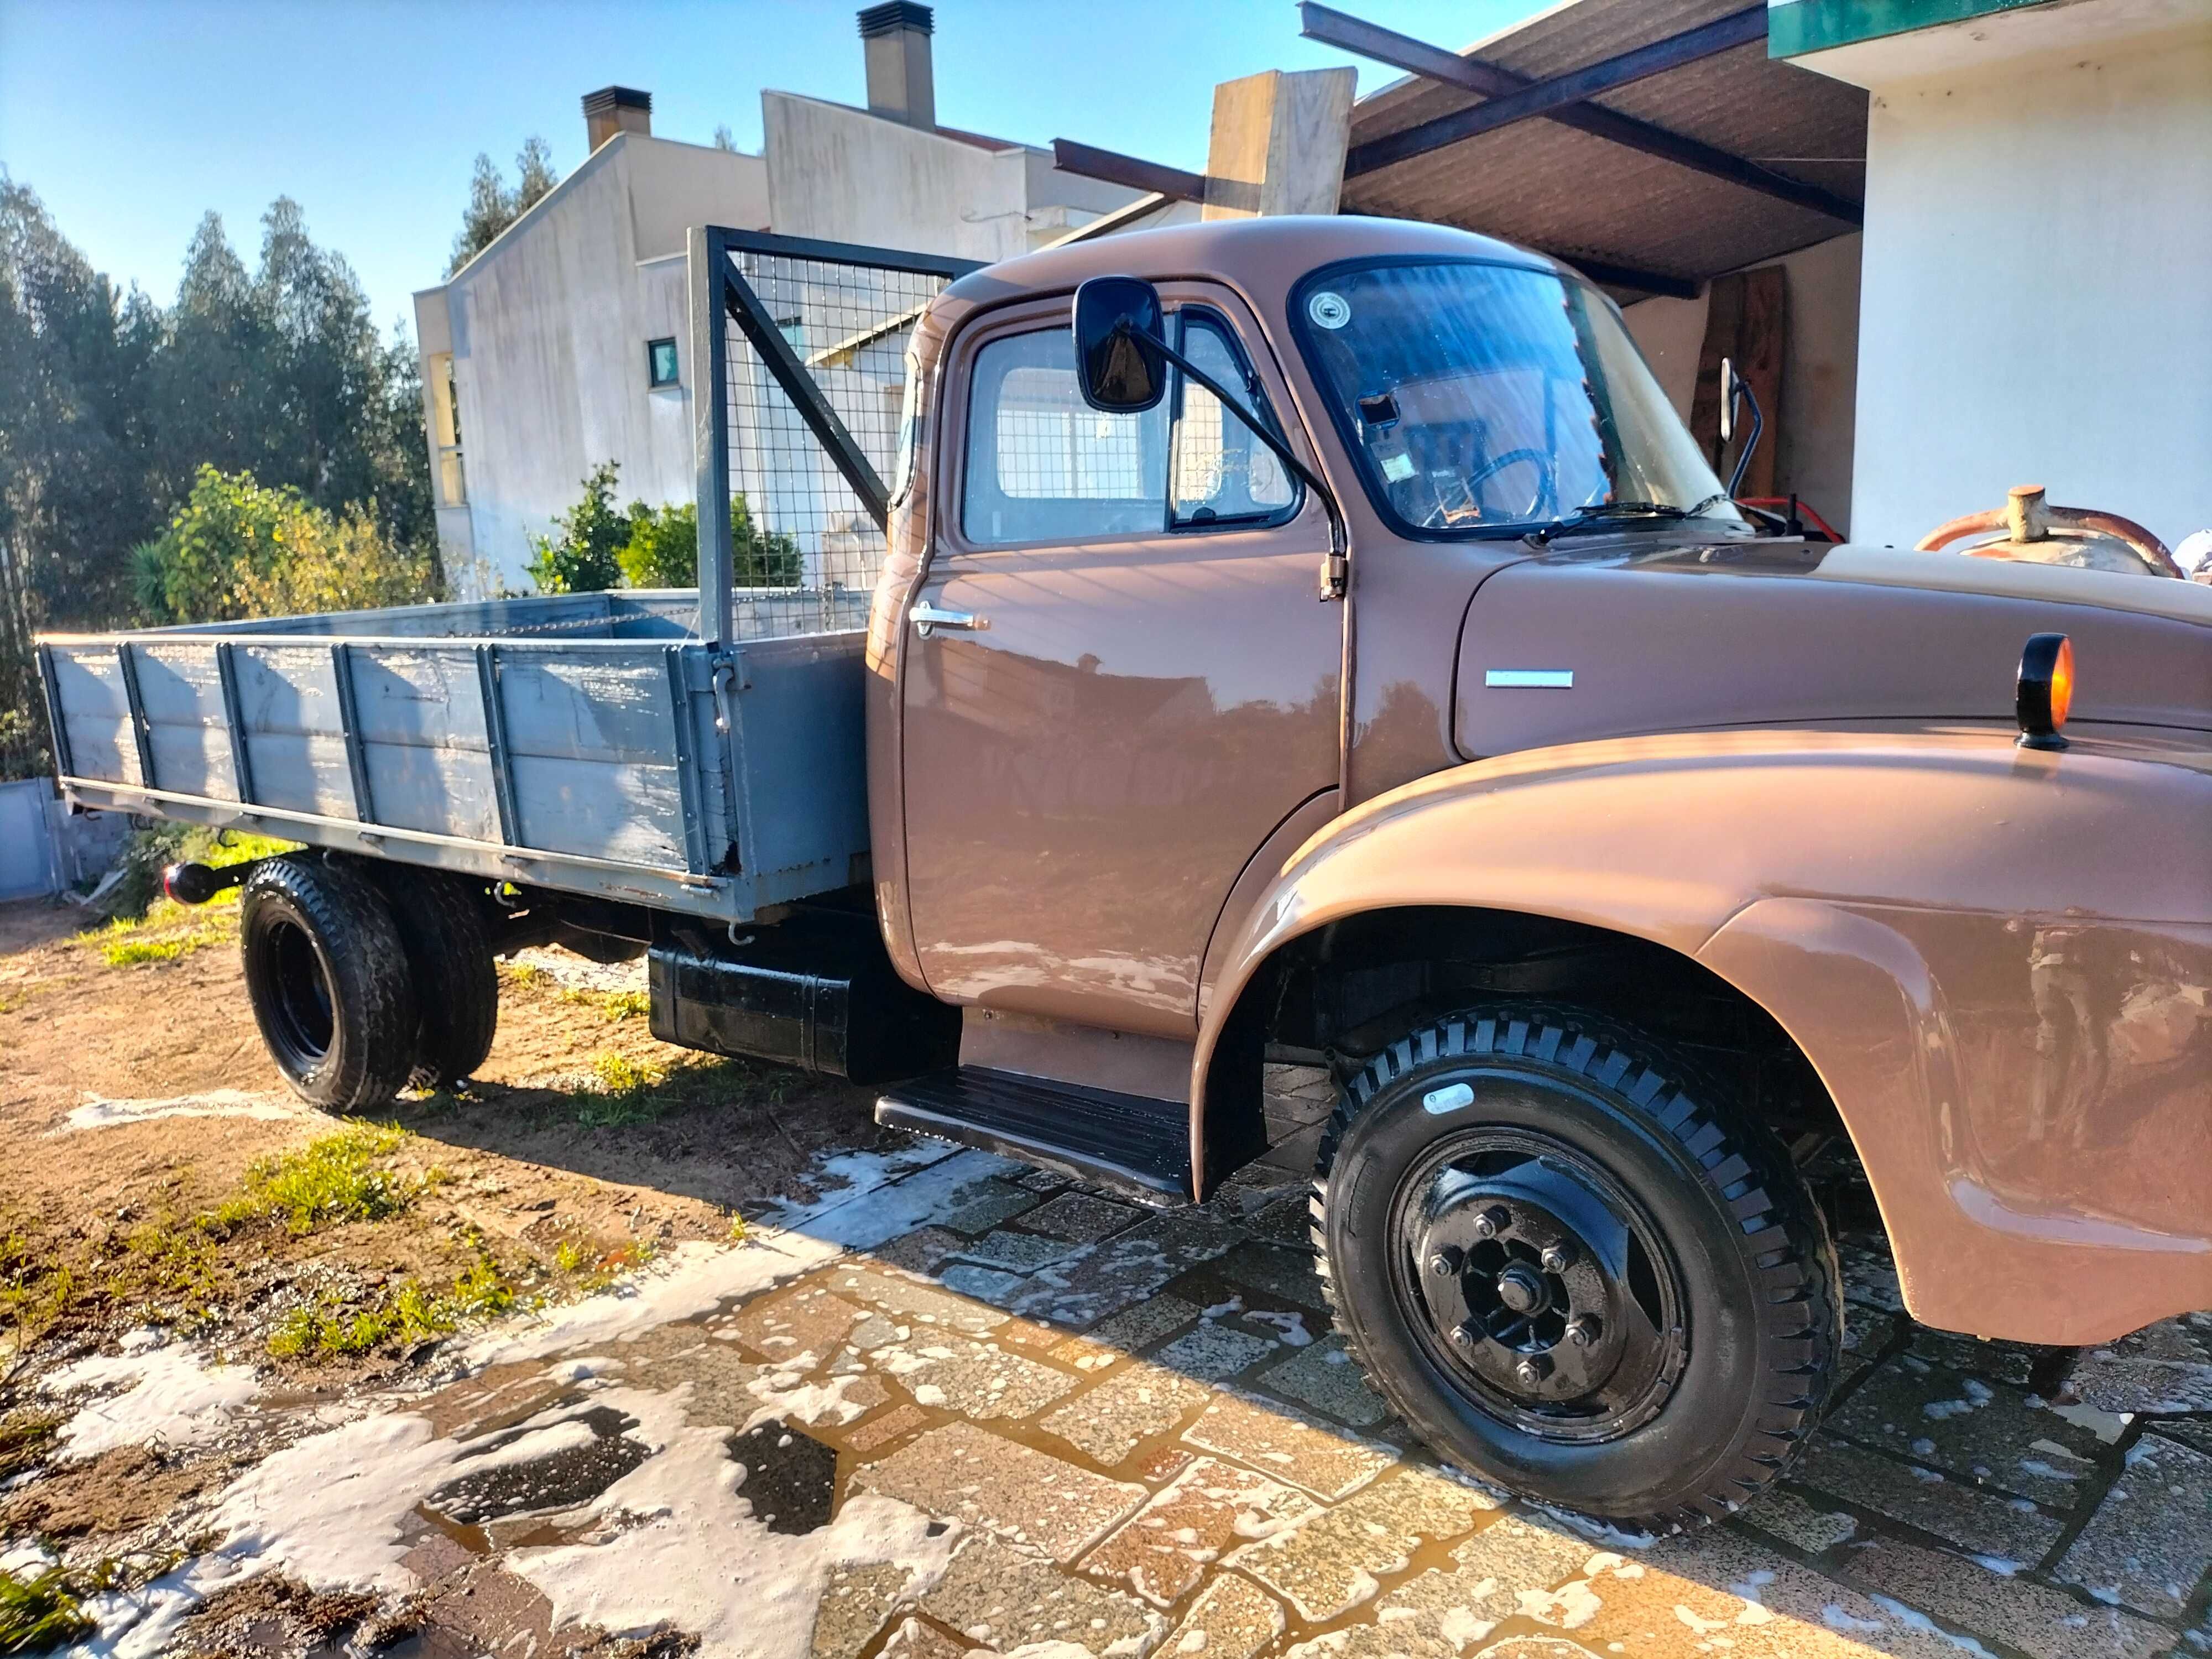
pixel 1566 1271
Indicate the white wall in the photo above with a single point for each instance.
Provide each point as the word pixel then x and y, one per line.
pixel 1815 432
pixel 2037 287
pixel 548 328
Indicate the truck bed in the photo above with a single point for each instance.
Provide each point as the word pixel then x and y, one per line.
pixel 587 742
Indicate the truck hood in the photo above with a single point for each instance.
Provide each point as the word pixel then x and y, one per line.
pixel 1643 633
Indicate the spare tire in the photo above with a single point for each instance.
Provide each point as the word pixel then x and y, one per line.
pixel 441 922
pixel 327 976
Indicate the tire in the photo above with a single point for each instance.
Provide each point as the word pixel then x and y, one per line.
pixel 1521 1187
pixel 328 979
pixel 448 944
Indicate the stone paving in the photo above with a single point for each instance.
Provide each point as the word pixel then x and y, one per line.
pixel 1208 1470
pixel 1138 1434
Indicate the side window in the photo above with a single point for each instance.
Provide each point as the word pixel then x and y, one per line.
pixel 1222 472
pixel 1042 464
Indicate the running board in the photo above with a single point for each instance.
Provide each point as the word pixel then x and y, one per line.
pixel 1135 1144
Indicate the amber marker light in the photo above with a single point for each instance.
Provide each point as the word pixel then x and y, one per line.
pixel 2046 690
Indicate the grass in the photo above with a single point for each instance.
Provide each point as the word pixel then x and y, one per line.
pixel 613 1004
pixel 336 1178
pixel 40 1612
pixel 523 973
pixel 622 1091
pixel 164 932
pixel 409 1315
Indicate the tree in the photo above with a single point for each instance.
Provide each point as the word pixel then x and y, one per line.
pixel 492 207
pixel 723 141
pixel 585 556
pixel 238 548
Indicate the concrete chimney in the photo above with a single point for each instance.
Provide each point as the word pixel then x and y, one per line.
pixel 896 37
pixel 611 110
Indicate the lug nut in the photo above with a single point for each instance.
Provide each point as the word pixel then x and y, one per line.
pixel 1445 1261
pixel 1584 1330
pixel 1462 1336
pixel 1533 1368
pixel 1558 1258
pixel 1492 1221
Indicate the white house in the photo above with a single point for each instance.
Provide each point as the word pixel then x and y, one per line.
pixel 564 343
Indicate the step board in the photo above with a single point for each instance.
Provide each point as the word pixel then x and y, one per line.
pixel 1134 1144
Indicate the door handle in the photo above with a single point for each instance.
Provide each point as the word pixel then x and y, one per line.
pixel 927 618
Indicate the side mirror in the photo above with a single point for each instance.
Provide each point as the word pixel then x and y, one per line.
pixel 1118 344
pixel 1728 396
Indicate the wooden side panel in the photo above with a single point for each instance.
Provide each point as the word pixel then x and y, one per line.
pixel 180 688
pixel 591 744
pixel 288 697
pixel 96 710
pixel 421 726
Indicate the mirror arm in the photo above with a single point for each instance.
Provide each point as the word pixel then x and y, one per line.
pixel 1336 571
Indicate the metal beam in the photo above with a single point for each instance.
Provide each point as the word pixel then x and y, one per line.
pixel 1091 162
pixel 805 394
pixel 1191 187
pixel 1365 40
pixel 1737 29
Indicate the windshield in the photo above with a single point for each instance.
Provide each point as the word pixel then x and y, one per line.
pixel 1482 397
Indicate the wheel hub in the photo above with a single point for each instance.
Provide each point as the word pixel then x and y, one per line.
pixel 1544 1298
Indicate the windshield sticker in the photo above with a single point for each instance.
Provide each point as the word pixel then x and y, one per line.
pixel 1329 309
pixel 1399 467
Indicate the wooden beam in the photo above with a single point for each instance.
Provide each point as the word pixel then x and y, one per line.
pixel 1737 29
pixel 1347 33
pixel 1116 168
pixel 1152 176
pixel 1278 137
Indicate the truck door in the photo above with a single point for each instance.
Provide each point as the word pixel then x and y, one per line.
pixel 1117 680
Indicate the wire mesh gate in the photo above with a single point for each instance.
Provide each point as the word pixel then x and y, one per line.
pixel 800 349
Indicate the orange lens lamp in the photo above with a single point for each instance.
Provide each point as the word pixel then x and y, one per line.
pixel 2046 690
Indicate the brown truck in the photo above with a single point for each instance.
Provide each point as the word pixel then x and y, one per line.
pixel 1320 640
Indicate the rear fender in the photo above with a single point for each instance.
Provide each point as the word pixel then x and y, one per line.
pixel 1863 889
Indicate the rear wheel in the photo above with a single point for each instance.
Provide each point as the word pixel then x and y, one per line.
pixel 441 918
pixel 1563 1269
pixel 328 980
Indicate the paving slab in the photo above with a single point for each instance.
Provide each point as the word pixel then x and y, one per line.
pixel 1132 1330
pixel 1287 1275
pixel 1234 1619
pixel 1100 1280
pixel 1319 1460
pixel 1324 1375
pixel 910 1302
pixel 2188 1431
pixel 979 1379
pixel 1869 1275
pixel 922 1251
pixel 1081 1217
pixel 2042 1623
pixel 966 1473
pixel 1214 1353
pixel 1491 1573
pixel 915 1640
pixel 2166 1367
pixel 885 1428
pixel 2006 1362
pixel 855 1604
pixel 1135 1405
pixel 1982 1432
pixel 811 1320
pixel 1012 1251
pixel 992 1285
pixel 1162 1551
pixel 1329 1563
pixel 1978 1522
pixel 1812 1527
pixel 1011 1599
pixel 983 1204
pixel 2149 1544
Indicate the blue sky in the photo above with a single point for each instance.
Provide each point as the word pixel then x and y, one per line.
pixel 131 119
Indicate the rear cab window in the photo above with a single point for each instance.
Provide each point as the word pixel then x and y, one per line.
pixel 1044 466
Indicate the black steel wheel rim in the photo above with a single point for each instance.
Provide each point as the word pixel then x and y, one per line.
pixel 300 1004
pixel 1538 1286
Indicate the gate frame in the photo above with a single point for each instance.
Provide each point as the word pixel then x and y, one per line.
pixel 717 288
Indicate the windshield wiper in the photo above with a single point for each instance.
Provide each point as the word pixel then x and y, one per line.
pixel 1602 513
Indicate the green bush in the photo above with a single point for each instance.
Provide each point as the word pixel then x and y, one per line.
pixel 664 549
pixel 236 548
pixel 585 556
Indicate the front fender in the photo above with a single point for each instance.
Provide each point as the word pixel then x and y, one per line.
pixel 1857 885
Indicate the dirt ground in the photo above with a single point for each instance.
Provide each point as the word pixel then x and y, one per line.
pixel 628 1352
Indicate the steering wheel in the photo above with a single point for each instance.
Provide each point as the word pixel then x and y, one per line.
pixel 1547 488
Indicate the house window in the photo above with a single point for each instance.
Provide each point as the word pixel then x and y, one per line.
pixel 446 430
pixel 660 362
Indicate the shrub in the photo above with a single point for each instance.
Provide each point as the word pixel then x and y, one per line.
pixel 585 556
pixel 238 549
pixel 664 549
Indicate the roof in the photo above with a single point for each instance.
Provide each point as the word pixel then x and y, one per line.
pixel 1583 197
